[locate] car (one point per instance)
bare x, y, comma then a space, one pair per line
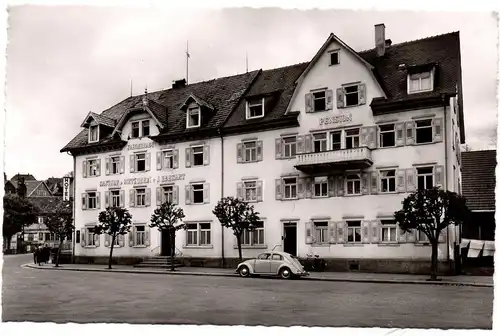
281, 264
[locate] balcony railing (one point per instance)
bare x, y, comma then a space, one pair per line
360, 156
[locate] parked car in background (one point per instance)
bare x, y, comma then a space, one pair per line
280, 264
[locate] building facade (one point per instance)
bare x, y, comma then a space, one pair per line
325, 150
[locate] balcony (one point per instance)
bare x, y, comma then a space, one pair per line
334, 161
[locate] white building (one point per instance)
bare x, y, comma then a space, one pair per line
326, 149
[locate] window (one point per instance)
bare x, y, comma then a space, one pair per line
255, 108
140, 129
290, 188
388, 181
197, 156
115, 165
387, 135
193, 119
92, 167
198, 234
140, 162
388, 231
91, 237
168, 159
320, 186
334, 57
250, 151
115, 198
145, 128
250, 190
319, 142
277, 257
94, 133
140, 235
336, 140
353, 184
422, 237
425, 177
319, 100
352, 138
40, 236
423, 129
40, 219
255, 237
168, 194
321, 232
353, 231
197, 193
91, 200
289, 146
31, 237
136, 129
140, 197
264, 256
351, 95
420, 82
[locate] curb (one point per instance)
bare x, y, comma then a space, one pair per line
409, 282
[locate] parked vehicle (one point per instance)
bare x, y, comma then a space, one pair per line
314, 263
280, 264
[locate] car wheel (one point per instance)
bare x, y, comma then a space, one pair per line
244, 272
285, 273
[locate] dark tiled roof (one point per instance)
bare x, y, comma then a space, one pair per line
103, 120
278, 84
478, 179
27, 177
31, 186
45, 205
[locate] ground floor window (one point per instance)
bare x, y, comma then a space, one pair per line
354, 231
321, 232
198, 234
140, 235
91, 237
255, 237
388, 231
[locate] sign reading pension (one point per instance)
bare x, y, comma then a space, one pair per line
338, 119
142, 180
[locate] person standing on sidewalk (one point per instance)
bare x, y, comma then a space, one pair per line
36, 253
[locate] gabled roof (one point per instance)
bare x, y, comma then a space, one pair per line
155, 110
46, 205
478, 179
32, 186
27, 177
99, 119
198, 101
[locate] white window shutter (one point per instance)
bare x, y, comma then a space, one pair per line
365, 231
148, 197
176, 159
146, 236
411, 236
122, 198
188, 157
300, 187
159, 160
341, 231
131, 235
300, 144
372, 137
83, 236
206, 154
206, 192
340, 185
362, 94
98, 200
411, 184
308, 143
159, 195
309, 102
374, 182
400, 180
442, 235
260, 149
84, 168
278, 191
309, 233
437, 129
278, 148
439, 176
400, 136
148, 161
188, 193
239, 190
332, 232
401, 234
331, 186
340, 98
132, 198
121, 240
364, 184
132, 163
410, 133
106, 198
259, 191
375, 231
107, 239
122, 164
108, 161
239, 152
308, 186
329, 100
84, 201
97, 240
98, 167
363, 137
175, 197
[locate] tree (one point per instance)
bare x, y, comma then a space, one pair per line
60, 223
114, 221
166, 217
237, 215
18, 212
430, 211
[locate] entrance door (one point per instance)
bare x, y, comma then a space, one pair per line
290, 238
165, 243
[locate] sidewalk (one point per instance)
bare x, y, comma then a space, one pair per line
459, 280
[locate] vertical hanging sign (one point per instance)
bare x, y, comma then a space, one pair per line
66, 184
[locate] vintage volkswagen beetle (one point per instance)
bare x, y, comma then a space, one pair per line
281, 264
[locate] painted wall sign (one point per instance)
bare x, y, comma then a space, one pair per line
141, 146
327, 121
66, 184
142, 180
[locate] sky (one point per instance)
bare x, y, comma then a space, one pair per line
63, 62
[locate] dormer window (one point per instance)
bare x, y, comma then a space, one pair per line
420, 82
140, 129
334, 57
255, 108
193, 117
145, 128
94, 133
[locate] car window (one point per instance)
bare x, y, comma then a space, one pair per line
263, 256
277, 257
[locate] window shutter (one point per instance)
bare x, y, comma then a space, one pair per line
401, 234
309, 233
340, 185
146, 236
188, 157
331, 186
122, 198
375, 231
442, 235
148, 161
98, 167
106, 199
332, 232
300, 187
188, 193
372, 137
400, 129
132, 163
365, 226
279, 192
340, 232
309, 102
239, 153
148, 197
239, 190
362, 94
278, 148
340, 98
131, 235
308, 143
98, 200
121, 240
437, 129
300, 144
84, 168
107, 160
97, 240
411, 237
206, 192
374, 182
329, 100
158, 160
122, 164
308, 186
410, 133
259, 191
107, 238
158, 196
175, 197
364, 184
411, 185
82, 240
84, 201
400, 180
438, 176
259, 150
132, 198
175, 159
363, 138
206, 155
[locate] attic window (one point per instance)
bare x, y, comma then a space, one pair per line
334, 57
140, 129
193, 117
420, 82
94, 133
255, 108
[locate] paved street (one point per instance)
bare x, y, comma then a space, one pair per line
64, 296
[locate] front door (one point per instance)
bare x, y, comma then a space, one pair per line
290, 238
165, 243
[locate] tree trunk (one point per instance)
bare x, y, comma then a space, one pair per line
113, 237
7, 243
171, 237
238, 240
58, 255
434, 259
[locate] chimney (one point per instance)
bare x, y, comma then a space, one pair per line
380, 39
179, 84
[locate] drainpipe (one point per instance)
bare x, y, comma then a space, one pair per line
443, 97
74, 210
222, 191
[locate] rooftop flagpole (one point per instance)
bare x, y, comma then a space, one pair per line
187, 61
